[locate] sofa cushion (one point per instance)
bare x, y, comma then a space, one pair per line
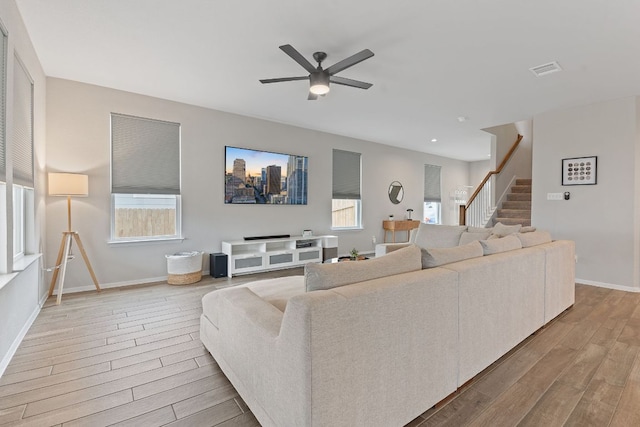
504, 244
469, 236
439, 236
328, 276
435, 257
501, 230
527, 229
275, 291
534, 238
472, 229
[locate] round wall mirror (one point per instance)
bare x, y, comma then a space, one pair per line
396, 192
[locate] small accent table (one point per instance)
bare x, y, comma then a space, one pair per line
394, 226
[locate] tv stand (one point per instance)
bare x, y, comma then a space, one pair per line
253, 256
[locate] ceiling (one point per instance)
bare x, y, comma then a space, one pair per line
435, 60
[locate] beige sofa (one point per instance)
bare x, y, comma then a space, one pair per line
378, 342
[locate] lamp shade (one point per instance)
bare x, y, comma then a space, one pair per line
68, 184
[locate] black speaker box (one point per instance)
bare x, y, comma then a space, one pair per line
218, 265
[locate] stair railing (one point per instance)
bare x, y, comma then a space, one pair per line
480, 206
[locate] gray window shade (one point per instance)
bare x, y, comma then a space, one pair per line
3, 80
346, 175
145, 156
432, 183
22, 125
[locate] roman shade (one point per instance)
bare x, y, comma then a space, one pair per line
22, 125
432, 183
145, 156
346, 175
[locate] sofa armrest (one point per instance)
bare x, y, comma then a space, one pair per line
263, 361
385, 248
252, 309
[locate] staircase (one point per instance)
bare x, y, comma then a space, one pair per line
517, 208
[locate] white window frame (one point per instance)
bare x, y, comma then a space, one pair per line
349, 192
153, 194
133, 239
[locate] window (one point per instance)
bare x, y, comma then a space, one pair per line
145, 179
22, 156
432, 197
346, 207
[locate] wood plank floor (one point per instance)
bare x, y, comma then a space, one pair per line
131, 356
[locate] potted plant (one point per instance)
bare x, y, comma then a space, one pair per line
354, 254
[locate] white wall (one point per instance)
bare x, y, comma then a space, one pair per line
602, 219
21, 292
78, 141
477, 171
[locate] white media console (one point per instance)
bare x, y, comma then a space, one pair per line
251, 256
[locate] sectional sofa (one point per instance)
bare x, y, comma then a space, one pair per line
378, 342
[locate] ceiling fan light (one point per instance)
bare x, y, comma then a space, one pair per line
319, 83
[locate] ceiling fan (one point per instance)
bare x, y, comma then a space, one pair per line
320, 78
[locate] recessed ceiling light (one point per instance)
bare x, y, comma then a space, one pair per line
462, 119
488, 155
434, 140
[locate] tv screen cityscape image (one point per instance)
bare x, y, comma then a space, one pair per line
263, 177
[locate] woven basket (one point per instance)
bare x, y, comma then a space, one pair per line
184, 268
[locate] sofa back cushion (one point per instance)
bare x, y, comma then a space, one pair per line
435, 257
439, 236
328, 276
534, 238
501, 230
503, 244
473, 236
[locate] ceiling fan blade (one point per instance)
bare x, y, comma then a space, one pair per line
297, 56
349, 82
312, 96
350, 61
284, 79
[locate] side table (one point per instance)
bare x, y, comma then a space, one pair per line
393, 226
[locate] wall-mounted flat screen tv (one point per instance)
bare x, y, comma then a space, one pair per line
264, 177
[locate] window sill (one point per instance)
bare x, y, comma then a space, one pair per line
144, 241
25, 261
19, 265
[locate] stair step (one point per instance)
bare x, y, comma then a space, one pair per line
519, 197
514, 213
517, 204
523, 181
521, 189
513, 221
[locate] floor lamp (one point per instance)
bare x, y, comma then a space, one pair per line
77, 185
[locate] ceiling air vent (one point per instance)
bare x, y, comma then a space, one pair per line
543, 70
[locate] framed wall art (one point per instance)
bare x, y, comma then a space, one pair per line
580, 171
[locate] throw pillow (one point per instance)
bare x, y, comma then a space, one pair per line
504, 244
439, 236
534, 238
435, 257
468, 237
527, 229
328, 276
502, 230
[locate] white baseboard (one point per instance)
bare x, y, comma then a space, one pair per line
16, 343
608, 285
116, 284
